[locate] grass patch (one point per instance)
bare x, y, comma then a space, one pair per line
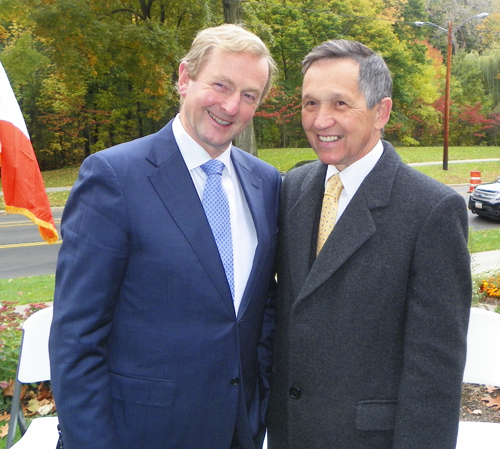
3, 441
434, 154
64, 177
285, 158
27, 290
460, 173
58, 199
484, 240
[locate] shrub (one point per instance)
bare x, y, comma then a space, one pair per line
490, 288
11, 320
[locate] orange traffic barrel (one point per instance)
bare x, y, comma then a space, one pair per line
475, 179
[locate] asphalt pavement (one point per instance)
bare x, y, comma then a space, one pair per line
480, 262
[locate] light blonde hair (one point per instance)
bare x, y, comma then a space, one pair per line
230, 38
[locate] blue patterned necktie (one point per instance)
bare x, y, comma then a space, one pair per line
216, 208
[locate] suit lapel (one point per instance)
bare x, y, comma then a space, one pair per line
173, 184
301, 222
355, 226
252, 188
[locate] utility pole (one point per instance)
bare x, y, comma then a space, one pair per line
446, 124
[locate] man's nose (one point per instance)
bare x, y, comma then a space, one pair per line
231, 104
325, 118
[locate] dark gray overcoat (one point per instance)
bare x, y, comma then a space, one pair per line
371, 336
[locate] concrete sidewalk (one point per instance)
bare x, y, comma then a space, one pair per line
485, 261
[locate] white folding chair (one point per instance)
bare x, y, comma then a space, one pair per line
33, 367
482, 367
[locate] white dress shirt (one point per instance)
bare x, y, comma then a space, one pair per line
354, 175
243, 231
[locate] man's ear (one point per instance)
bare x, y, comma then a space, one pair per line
184, 79
384, 108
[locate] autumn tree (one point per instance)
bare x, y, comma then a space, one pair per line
111, 67
293, 28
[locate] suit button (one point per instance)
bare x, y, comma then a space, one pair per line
235, 381
295, 393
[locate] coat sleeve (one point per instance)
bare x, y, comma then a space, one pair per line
91, 265
268, 326
438, 308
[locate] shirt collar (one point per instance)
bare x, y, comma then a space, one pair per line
192, 153
354, 175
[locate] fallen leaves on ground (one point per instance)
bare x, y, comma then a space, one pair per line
492, 399
36, 401
474, 408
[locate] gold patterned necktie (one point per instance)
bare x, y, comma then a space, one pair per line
329, 210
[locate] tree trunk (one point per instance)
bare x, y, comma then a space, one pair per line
233, 13
246, 140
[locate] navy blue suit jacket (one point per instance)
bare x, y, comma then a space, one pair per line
146, 350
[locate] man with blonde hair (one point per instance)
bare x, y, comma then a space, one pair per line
162, 320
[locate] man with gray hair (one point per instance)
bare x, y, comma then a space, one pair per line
374, 284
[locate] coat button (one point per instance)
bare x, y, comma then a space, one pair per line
295, 393
235, 381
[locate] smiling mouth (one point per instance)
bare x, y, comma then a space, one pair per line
218, 120
329, 138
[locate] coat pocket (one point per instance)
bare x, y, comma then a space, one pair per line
376, 415
142, 391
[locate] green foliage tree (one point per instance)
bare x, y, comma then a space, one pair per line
293, 28
109, 68
89, 74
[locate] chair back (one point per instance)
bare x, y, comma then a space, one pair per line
483, 348
34, 363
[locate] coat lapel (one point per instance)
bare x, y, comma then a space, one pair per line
173, 184
252, 188
355, 226
300, 222
353, 229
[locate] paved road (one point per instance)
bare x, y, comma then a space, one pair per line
24, 253
476, 222
22, 250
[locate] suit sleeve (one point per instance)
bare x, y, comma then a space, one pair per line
91, 265
438, 308
268, 327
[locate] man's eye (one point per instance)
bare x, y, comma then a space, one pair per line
249, 97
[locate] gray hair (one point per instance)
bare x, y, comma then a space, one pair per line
374, 81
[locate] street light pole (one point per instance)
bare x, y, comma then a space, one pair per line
446, 131
446, 124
